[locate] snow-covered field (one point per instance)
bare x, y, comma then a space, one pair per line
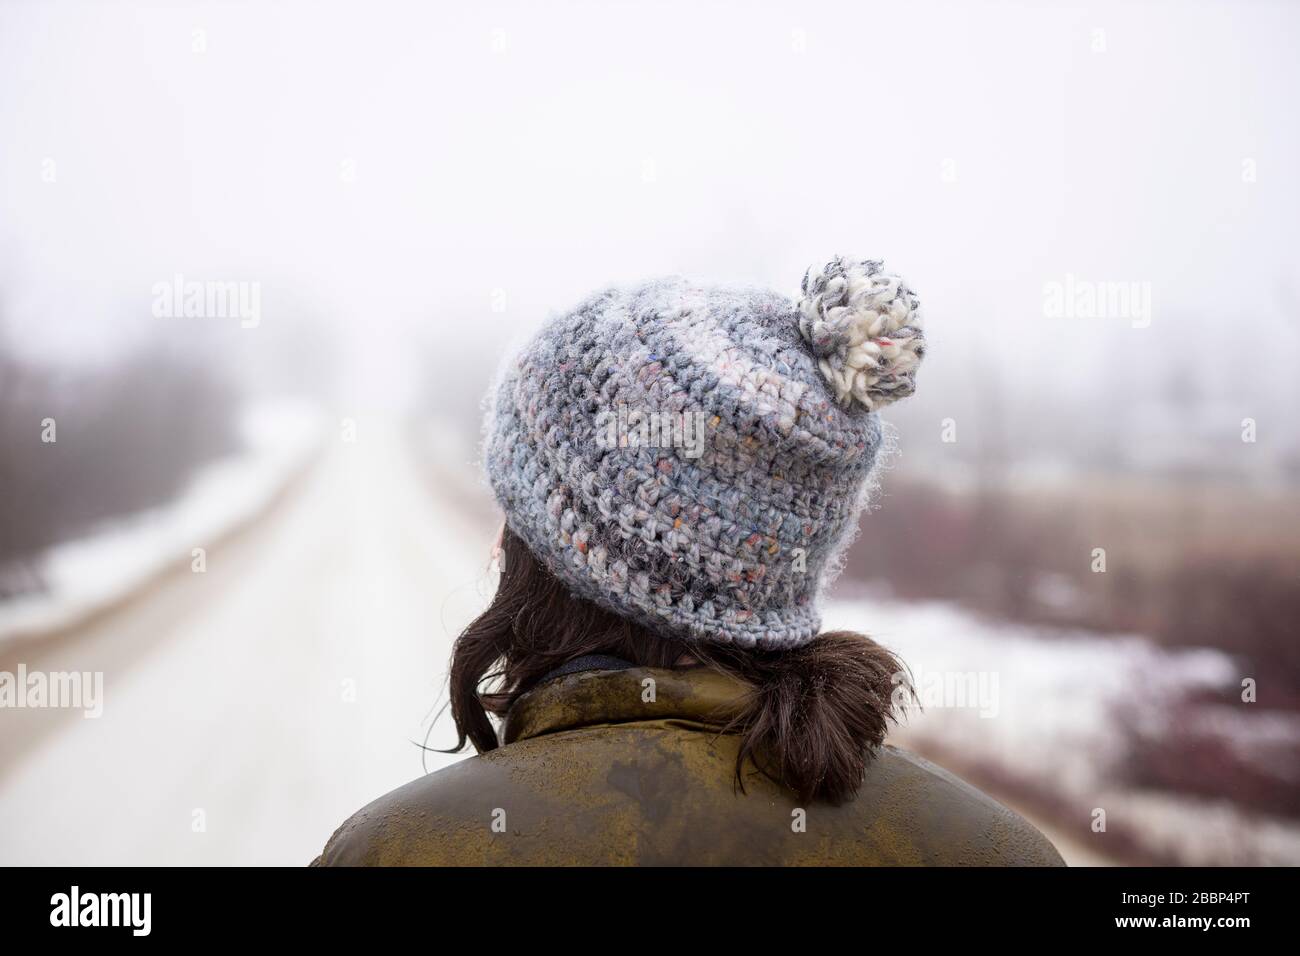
1048, 709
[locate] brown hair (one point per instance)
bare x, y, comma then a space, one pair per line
817, 714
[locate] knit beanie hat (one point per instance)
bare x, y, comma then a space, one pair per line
696, 458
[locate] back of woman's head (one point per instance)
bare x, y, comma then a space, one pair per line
813, 717
681, 468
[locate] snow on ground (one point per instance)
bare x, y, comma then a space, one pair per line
1045, 708
250, 709
89, 574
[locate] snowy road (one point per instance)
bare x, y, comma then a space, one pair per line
248, 710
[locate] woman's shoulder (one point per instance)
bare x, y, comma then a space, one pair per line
668, 797
433, 820
944, 821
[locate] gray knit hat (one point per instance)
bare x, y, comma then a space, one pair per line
696, 458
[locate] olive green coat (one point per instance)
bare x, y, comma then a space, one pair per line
628, 767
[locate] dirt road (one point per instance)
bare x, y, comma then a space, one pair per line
249, 709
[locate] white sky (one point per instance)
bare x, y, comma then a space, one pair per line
508, 146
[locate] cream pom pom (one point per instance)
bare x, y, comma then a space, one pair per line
864, 326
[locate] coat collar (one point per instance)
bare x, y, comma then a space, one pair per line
697, 695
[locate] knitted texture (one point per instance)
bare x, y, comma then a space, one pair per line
864, 326
696, 458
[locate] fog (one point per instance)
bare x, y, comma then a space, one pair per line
1097, 205
432, 174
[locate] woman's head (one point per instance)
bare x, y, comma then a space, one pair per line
696, 458
680, 468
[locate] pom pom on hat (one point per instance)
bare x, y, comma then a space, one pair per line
864, 327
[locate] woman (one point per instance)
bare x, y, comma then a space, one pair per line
653, 650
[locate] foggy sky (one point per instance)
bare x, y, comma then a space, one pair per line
390, 171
